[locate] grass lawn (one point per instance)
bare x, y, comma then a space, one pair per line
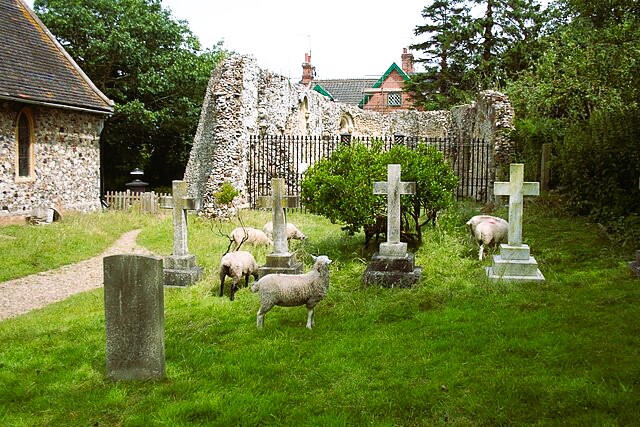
455, 350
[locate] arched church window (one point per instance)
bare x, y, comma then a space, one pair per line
24, 145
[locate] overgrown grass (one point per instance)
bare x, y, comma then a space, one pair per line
455, 350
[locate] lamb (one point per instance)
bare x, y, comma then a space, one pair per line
292, 231
235, 265
249, 235
488, 231
290, 290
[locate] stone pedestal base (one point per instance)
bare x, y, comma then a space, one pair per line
392, 271
634, 266
181, 270
280, 263
514, 264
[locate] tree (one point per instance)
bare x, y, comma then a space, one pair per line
341, 187
152, 67
479, 45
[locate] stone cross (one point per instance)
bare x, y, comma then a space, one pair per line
180, 204
516, 188
134, 317
393, 188
278, 201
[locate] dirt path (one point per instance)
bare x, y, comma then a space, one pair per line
22, 295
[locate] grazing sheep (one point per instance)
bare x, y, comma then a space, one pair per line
289, 290
488, 231
292, 231
250, 236
235, 265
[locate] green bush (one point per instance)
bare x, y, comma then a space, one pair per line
341, 187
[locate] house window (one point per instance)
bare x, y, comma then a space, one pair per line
394, 99
24, 139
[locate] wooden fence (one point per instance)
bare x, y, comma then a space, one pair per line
148, 202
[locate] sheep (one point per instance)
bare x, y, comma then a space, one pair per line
290, 290
249, 235
292, 231
235, 265
488, 231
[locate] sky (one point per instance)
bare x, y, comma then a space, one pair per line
346, 38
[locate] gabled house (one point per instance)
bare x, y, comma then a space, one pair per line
384, 94
51, 117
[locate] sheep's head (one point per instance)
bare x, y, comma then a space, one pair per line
320, 261
299, 235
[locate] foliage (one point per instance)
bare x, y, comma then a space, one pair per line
454, 350
465, 52
226, 194
151, 66
341, 187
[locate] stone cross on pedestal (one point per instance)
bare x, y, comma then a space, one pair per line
180, 267
393, 188
516, 188
515, 262
280, 260
392, 266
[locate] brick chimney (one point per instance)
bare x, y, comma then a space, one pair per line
307, 70
407, 61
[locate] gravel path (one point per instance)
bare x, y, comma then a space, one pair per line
22, 295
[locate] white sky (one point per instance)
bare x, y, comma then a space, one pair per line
347, 38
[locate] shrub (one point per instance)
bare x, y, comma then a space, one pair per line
341, 187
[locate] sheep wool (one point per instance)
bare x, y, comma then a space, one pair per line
235, 265
488, 231
249, 235
289, 290
292, 231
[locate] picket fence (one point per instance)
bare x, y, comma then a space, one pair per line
148, 202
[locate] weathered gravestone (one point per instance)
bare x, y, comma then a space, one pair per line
134, 317
280, 260
392, 266
514, 262
180, 268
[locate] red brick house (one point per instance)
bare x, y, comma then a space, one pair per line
383, 95
51, 117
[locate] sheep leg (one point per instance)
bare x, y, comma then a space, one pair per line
310, 317
246, 280
234, 288
481, 252
261, 312
223, 274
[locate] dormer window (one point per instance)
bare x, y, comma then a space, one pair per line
394, 99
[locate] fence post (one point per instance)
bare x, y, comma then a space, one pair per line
345, 138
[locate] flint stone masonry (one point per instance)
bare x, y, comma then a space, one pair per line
66, 159
243, 100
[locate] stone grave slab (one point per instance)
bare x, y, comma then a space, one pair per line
134, 317
180, 268
634, 266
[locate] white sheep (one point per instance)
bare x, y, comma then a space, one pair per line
235, 265
488, 231
292, 231
249, 235
290, 290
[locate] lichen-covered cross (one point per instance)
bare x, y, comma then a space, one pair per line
180, 204
516, 188
278, 201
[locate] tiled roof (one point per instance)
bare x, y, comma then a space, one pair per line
349, 91
35, 68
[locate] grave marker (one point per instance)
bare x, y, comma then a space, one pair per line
134, 317
180, 267
280, 260
392, 266
514, 262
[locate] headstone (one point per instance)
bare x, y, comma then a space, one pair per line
134, 317
280, 260
180, 268
392, 266
514, 262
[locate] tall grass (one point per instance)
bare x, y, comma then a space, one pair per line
455, 350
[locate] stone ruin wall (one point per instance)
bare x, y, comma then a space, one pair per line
66, 162
243, 100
